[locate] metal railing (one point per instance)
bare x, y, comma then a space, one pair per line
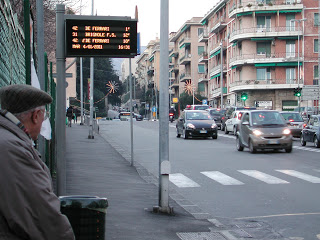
267, 56
265, 29
263, 82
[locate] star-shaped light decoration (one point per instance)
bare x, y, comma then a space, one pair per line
188, 88
112, 86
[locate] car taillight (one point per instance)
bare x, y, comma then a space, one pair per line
239, 116
170, 114
304, 125
222, 118
290, 120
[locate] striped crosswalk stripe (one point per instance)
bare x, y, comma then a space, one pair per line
222, 178
263, 177
182, 181
301, 175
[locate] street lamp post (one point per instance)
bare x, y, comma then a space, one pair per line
299, 22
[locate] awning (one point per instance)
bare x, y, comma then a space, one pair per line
261, 39
282, 64
214, 76
244, 14
234, 44
204, 22
290, 11
151, 59
211, 56
217, 52
288, 38
265, 65
233, 67
263, 12
184, 28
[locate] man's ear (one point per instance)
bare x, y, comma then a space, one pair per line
35, 116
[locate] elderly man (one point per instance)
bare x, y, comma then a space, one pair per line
28, 207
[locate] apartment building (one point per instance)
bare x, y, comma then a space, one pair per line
267, 48
184, 52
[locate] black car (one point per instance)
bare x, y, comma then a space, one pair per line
196, 123
138, 117
217, 114
229, 112
311, 133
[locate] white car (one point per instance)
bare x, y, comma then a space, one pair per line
231, 124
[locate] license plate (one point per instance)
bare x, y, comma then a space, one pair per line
273, 141
203, 131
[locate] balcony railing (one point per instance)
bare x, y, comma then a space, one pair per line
218, 23
265, 57
185, 76
203, 37
272, 81
266, 31
217, 69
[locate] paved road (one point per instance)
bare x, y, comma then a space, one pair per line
270, 188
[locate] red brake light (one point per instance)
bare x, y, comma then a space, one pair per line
239, 116
222, 118
218, 109
291, 120
304, 125
170, 114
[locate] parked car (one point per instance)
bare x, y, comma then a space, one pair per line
196, 123
306, 112
263, 129
229, 112
311, 133
138, 117
216, 114
197, 107
294, 122
231, 125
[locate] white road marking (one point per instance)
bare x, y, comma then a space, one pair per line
182, 181
263, 177
222, 178
301, 175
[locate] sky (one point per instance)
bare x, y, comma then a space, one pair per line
149, 13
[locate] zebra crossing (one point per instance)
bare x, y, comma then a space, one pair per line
182, 181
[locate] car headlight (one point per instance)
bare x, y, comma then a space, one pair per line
213, 125
257, 132
286, 131
190, 125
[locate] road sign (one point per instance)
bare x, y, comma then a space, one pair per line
205, 102
310, 93
154, 109
175, 100
100, 36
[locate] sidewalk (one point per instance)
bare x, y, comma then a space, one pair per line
95, 168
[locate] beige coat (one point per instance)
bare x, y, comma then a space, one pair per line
28, 207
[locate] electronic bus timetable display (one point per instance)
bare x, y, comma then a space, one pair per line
101, 38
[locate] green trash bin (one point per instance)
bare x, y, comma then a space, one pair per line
86, 215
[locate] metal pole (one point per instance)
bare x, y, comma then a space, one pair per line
318, 110
27, 41
60, 102
164, 164
299, 66
221, 75
91, 90
131, 113
81, 92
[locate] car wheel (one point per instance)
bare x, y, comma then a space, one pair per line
214, 136
251, 147
185, 134
178, 134
316, 142
302, 141
222, 127
225, 130
234, 131
288, 150
239, 144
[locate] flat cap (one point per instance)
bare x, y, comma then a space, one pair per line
20, 97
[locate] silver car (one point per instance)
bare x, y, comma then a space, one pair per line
263, 129
295, 122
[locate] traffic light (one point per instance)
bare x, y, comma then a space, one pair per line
244, 96
297, 92
238, 98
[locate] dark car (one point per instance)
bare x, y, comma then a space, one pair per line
295, 122
311, 133
263, 129
138, 117
217, 114
196, 123
227, 115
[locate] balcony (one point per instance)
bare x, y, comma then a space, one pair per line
184, 77
186, 59
255, 84
203, 57
265, 32
216, 92
203, 77
173, 53
219, 24
269, 59
217, 70
174, 68
175, 84
150, 71
204, 37
248, 6
184, 42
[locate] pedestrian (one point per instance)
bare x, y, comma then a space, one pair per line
74, 118
29, 209
70, 115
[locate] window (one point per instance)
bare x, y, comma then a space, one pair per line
201, 68
201, 87
263, 23
315, 45
290, 48
200, 31
240, 24
263, 74
264, 48
290, 75
315, 74
200, 50
289, 23
316, 19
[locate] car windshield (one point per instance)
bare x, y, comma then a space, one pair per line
267, 119
292, 117
201, 107
198, 116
